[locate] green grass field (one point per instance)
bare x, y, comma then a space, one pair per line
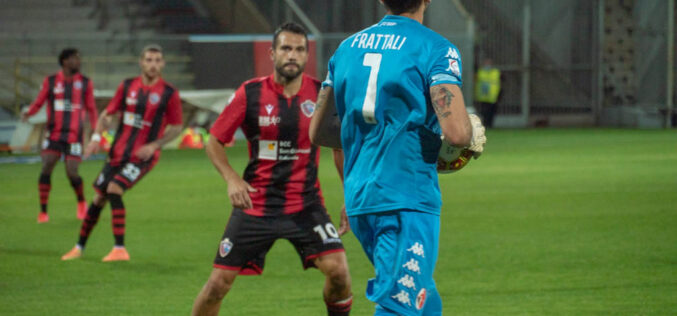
547, 222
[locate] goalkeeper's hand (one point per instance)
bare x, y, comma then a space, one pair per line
478, 138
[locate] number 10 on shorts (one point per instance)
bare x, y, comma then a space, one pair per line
327, 232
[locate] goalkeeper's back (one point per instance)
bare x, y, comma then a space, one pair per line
390, 134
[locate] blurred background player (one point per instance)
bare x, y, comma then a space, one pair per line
69, 95
279, 194
396, 87
488, 90
150, 111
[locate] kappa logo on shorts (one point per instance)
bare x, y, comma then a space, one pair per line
420, 298
225, 247
402, 297
417, 249
412, 265
308, 108
408, 282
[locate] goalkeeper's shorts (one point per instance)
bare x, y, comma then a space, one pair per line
402, 245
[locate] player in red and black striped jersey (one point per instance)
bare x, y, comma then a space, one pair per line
279, 194
69, 96
150, 111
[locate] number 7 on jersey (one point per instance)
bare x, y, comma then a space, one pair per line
373, 61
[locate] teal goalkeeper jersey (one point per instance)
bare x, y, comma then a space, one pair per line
389, 131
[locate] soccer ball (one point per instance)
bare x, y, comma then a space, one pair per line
452, 158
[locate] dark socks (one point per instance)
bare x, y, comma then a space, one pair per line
76, 183
88, 224
118, 218
340, 308
44, 186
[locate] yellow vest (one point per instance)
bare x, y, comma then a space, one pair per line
488, 85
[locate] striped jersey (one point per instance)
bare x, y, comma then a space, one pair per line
68, 99
282, 160
146, 110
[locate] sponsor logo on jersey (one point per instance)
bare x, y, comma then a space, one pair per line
420, 299
131, 99
154, 98
77, 85
268, 120
308, 108
453, 68
134, 120
387, 24
452, 53
269, 108
453, 57
58, 88
268, 149
287, 151
65, 106
225, 247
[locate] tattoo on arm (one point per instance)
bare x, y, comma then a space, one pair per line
441, 100
327, 126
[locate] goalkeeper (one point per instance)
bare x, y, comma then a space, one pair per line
391, 90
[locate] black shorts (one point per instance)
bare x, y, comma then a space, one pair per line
248, 238
72, 151
126, 175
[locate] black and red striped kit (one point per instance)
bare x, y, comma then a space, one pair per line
282, 168
68, 99
282, 160
146, 110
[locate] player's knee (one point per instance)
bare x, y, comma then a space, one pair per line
99, 200
217, 287
114, 188
337, 273
72, 174
48, 167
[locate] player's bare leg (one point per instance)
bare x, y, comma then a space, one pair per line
337, 293
49, 160
208, 302
114, 194
76, 182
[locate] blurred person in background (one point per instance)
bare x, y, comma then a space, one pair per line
488, 91
150, 110
69, 96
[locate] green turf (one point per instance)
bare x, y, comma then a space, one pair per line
547, 222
